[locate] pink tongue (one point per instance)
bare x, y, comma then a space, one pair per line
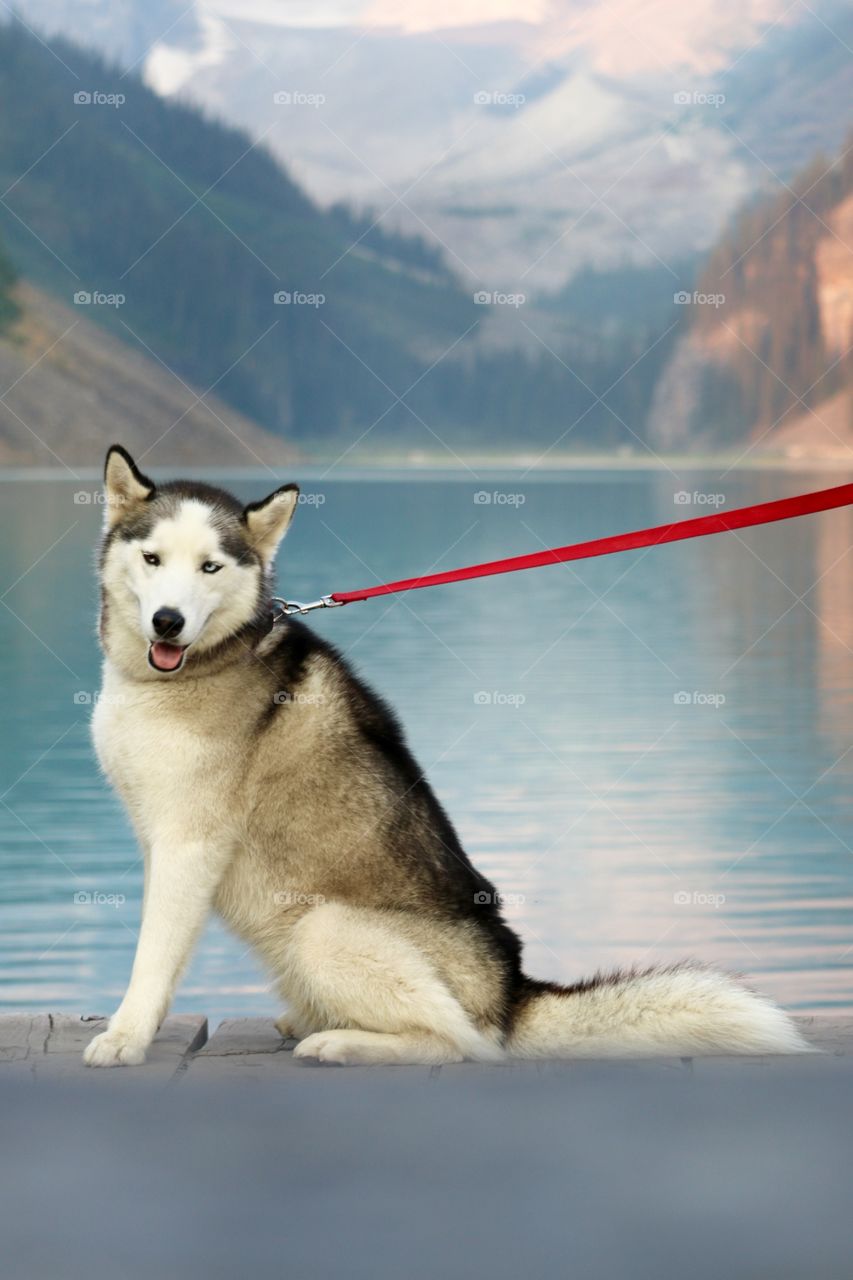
166, 656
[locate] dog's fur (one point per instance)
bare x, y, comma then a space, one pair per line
266, 782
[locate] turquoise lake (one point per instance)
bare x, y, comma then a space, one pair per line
650, 754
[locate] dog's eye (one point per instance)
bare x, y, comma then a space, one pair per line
210, 566
150, 558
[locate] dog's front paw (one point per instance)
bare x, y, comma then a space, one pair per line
114, 1049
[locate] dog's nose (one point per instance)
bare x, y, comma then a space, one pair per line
168, 623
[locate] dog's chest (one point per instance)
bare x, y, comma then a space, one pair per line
165, 754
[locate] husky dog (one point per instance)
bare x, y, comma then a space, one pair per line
265, 781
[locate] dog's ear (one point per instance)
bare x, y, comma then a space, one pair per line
124, 484
267, 521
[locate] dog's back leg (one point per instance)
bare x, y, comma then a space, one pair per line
375, 993
289, 1027
348, 1048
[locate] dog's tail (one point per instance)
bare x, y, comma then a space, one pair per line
685, 1010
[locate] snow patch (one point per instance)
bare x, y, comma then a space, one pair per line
169, 68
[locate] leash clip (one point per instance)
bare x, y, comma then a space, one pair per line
290, 607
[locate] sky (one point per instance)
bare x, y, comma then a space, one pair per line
414, 15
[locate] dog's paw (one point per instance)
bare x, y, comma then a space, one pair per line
286, 1027
340, 1049
114, 1049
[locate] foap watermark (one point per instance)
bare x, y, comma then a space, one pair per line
494, 298
288, 899
311, 499
697, 898
497, 98
684, 498
95, 98
294, 298
95, 498
88, 698
298, 98
85, 298
498, 698
285, 697
696, 698
684, 298
94, 898
498, 498
483, 898
698, 98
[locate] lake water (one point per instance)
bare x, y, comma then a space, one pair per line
649, 754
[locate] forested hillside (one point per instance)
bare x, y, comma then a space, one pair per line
198, 230
69, 389
8, 305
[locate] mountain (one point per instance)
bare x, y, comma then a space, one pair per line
197, 248
766, 359
71, 390
347, 333
225, 269
124, 31
569, 134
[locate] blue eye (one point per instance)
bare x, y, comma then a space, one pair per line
150, 558
210, 566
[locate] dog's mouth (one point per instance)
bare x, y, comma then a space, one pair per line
163, 656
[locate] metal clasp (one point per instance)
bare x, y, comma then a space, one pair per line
289, 607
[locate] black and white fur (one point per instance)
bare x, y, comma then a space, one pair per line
266, 782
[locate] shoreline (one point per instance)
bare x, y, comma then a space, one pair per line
472, 466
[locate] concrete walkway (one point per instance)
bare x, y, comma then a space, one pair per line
47, 1046
660, 1170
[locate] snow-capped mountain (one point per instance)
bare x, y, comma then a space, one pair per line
529, 139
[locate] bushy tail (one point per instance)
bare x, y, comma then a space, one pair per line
682, 1011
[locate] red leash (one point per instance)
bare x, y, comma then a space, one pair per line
803, 504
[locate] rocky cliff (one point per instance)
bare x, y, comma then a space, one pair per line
764, 360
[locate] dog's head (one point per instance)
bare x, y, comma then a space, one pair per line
186, 567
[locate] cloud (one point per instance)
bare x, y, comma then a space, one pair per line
292, 13
433, 15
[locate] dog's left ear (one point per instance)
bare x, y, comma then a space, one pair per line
124, 484
267, 521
